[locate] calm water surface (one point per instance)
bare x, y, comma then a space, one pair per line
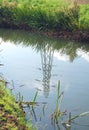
34, 63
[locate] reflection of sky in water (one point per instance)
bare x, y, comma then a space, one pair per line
75, 71
28, 69
23, 66
60, 56
83, 54
27, 64
64, 57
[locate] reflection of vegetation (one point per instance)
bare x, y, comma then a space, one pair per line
37, 41
70, 49
46, 46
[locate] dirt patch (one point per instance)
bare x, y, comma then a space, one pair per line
81, 1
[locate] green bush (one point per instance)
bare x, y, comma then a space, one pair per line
84, 17
43, 15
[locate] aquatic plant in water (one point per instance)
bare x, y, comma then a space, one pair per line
57, 112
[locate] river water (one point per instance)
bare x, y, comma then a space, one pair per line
34, 64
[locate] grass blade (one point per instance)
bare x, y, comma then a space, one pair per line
34, 100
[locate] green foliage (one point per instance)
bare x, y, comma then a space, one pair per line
43, 14
84, 17
6, 16
11, 115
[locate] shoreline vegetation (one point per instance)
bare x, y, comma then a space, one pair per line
12, 117
62, 19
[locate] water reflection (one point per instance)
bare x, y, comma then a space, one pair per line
46, 61
48, 49
37, 42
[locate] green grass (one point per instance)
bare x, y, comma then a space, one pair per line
84, 17
44, 15
11, 115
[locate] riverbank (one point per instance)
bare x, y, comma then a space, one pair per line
11, 115
62, 19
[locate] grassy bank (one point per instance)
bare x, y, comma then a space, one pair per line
44, 15
11, 115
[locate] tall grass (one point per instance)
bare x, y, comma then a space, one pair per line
43, 14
